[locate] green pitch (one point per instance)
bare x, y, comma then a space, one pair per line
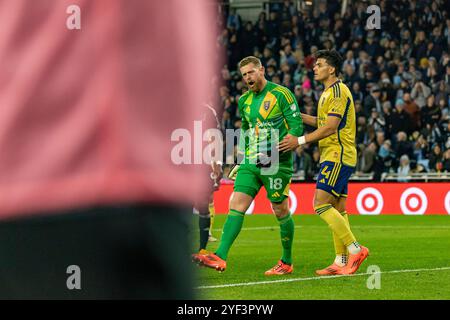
412, 253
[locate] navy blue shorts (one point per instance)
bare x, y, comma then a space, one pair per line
333, 178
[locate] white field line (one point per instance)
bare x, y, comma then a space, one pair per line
315, 278
351, 226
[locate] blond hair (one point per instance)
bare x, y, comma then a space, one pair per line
248, 60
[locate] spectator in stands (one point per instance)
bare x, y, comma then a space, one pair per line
403, 169
447, 74
446, 133
387, 90
287, 56
350, 77
446, 163
400, 120
445, 110
362, 134
273, 30
420, 92
403, 146
298, 94
431, 113
358, 95
387, 156
234, 20
349, 60
369, 158
248, 40
358, 109
380, 138
376, 121
421, 151
372, 101
436, 159
413, 110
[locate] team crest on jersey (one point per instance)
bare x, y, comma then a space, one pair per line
266, 105
293, 107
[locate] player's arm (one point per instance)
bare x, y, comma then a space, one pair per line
309, 120
330, 127
337, 108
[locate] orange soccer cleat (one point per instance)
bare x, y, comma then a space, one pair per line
213, 261
355, 260
280, 269
196, 257
331, 270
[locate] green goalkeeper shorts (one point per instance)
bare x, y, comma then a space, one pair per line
249, 180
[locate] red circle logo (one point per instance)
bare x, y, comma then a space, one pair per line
369, 202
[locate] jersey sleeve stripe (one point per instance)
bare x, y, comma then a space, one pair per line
285, 93
344, 117
334, 115
336, 90
288, 94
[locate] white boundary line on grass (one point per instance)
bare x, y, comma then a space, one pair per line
314, 278
352, 226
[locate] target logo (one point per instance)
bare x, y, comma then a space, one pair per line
413, 201
447, 202
369, 201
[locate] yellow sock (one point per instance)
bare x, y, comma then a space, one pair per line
212, 213
336, 222
339, 246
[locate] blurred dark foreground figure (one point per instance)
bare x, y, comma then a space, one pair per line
86, 117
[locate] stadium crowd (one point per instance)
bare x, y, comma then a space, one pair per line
399, 75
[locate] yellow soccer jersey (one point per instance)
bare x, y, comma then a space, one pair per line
337, 101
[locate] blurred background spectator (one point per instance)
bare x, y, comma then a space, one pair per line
403, 169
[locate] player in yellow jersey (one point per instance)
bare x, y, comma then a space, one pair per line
336, 130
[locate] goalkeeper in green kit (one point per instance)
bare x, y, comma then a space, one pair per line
269, 112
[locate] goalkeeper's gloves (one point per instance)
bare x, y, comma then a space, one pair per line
233, 172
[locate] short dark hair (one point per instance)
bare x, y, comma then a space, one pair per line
332, 57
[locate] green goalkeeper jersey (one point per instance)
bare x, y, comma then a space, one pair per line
267, 117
